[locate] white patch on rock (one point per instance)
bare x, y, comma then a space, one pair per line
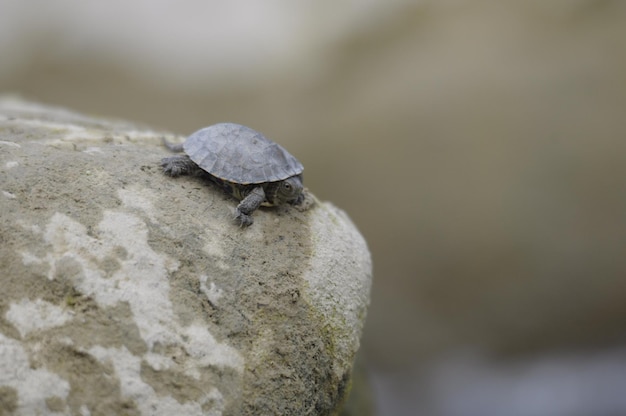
128, 370
216, 400
138, 198
11, 164
68, 134
206, 351
158, 362
33, 385
28, 316
72, 130
28, 259
141, 281
8, 195
213, 248
33, 228
347, 276
93, 149
213, 293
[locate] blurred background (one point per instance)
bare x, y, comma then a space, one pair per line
479, 146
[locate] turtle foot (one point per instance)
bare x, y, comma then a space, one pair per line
244, 220
175, 165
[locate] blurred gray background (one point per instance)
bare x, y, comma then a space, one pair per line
478, 145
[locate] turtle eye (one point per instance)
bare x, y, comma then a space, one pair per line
287, 186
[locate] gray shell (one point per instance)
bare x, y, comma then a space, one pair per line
239, 154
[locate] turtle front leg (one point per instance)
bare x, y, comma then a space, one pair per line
248, 205
179, 165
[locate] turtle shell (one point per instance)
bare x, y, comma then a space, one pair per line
238, 154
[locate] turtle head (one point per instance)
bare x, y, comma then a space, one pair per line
289, 190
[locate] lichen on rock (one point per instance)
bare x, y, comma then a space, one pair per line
125, 291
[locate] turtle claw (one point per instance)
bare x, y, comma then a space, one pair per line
244, 220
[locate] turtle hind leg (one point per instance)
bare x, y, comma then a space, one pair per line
179, 165
243, 212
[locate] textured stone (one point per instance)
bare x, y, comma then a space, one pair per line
128, 292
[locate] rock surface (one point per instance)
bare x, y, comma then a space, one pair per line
128, 292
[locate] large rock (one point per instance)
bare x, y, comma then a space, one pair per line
128, 292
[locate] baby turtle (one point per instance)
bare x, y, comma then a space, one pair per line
243, 162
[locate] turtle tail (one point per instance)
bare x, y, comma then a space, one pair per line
174, 147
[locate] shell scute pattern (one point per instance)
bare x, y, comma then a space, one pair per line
240, 155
